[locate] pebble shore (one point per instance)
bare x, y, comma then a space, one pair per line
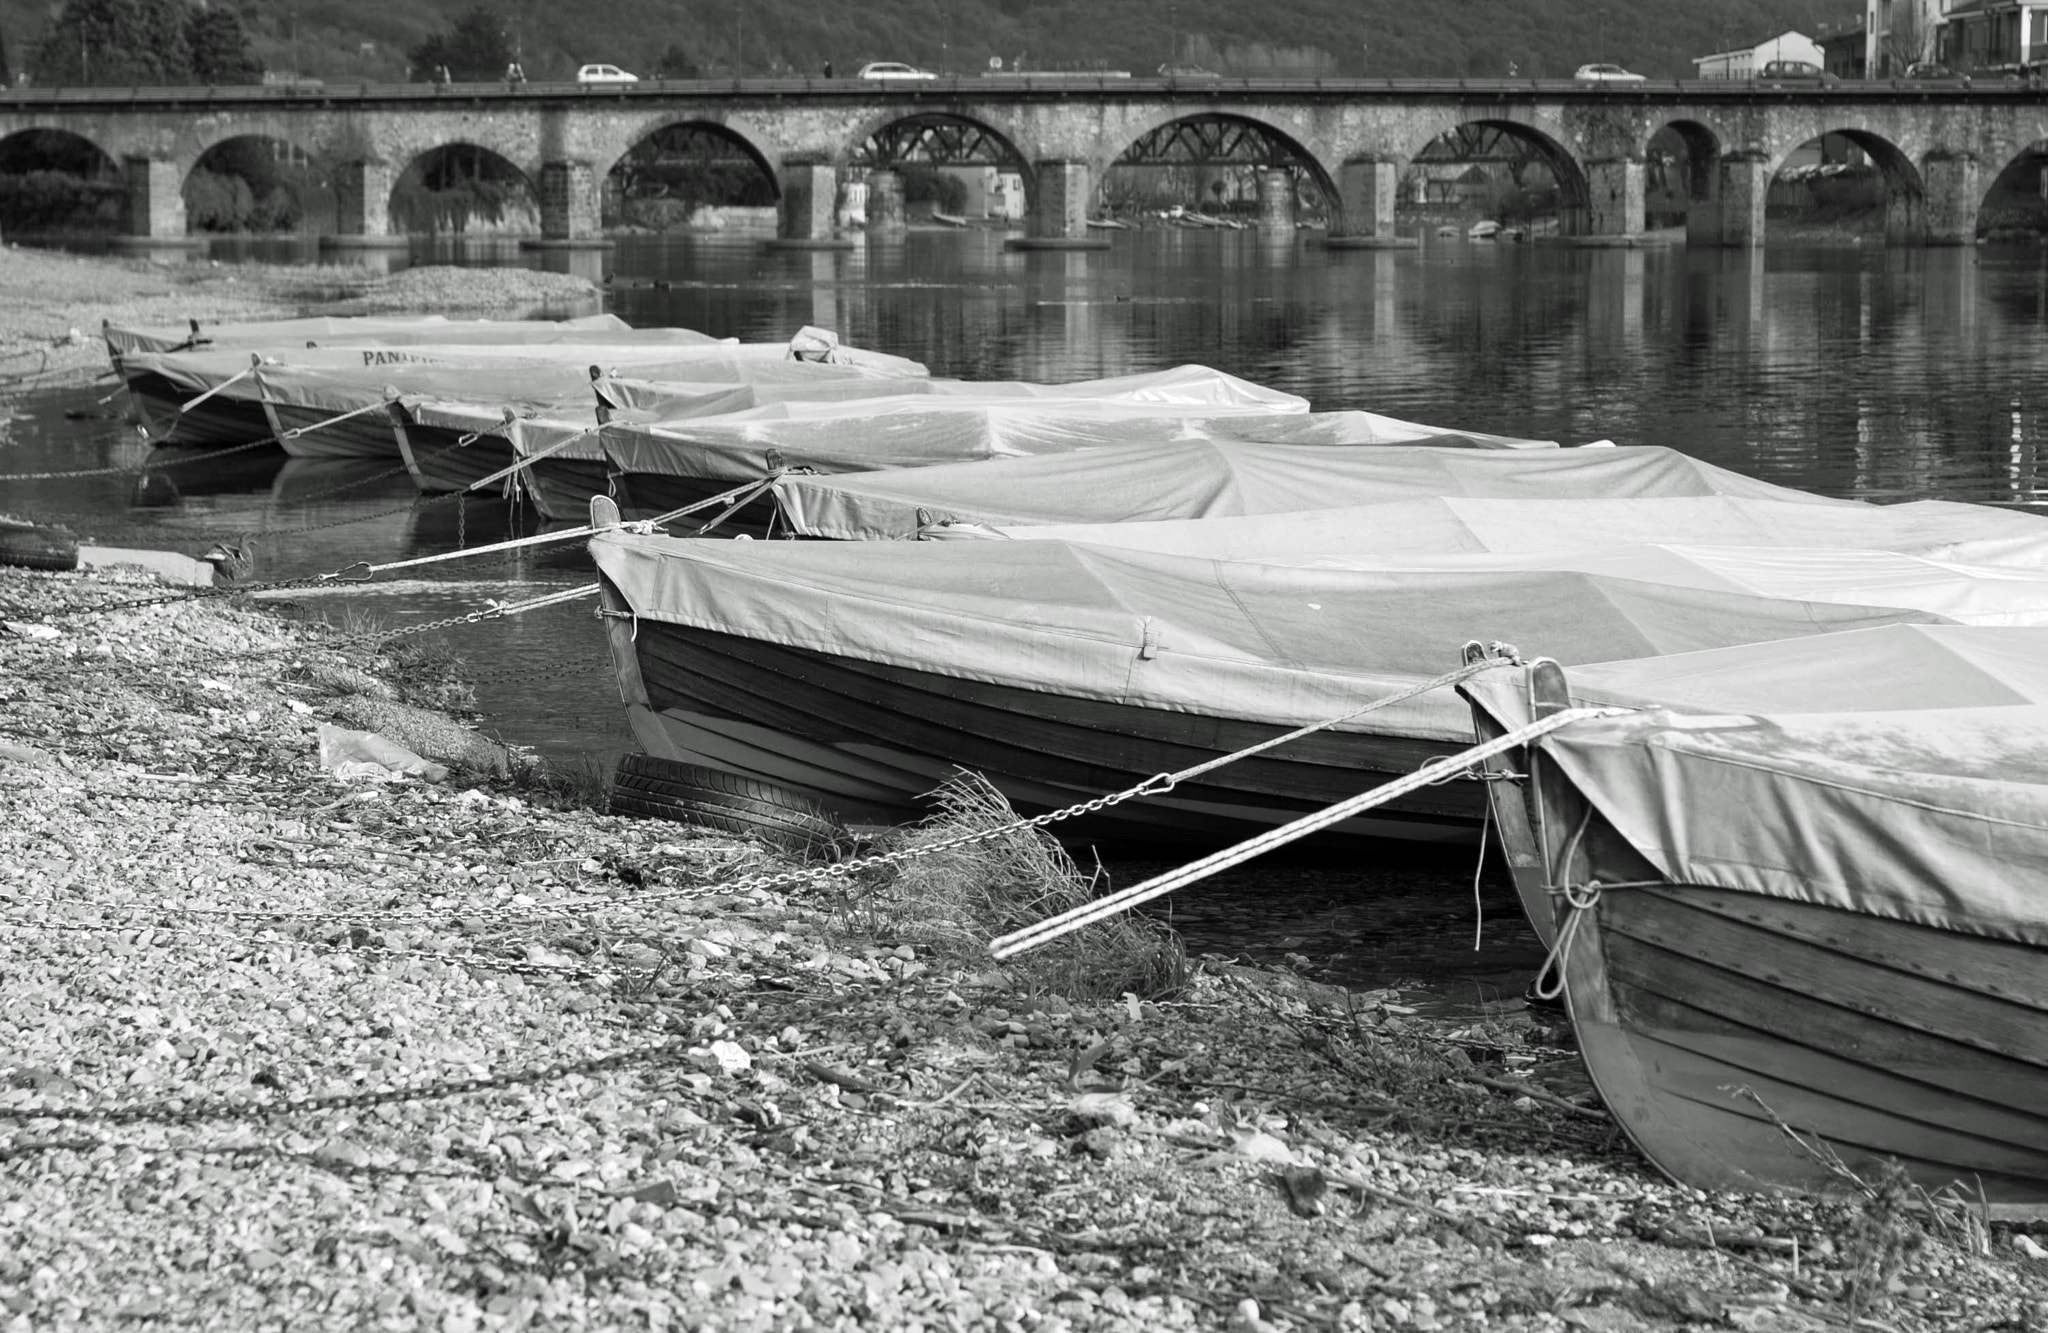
279, 1051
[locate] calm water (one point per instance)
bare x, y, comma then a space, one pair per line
1850, 370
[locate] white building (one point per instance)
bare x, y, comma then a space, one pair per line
1746, 62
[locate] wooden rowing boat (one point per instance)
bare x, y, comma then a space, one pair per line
1802, 945
861, 674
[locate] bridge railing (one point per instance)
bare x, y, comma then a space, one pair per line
1009, 85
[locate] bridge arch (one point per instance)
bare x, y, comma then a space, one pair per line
1902, 185
1227, 139
63, 182
922, 147
1682, 171
1518, 147
461, 187
632, 134
680, 165
256, 182
2012, 194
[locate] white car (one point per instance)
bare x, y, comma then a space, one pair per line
891, 69
605, 74
1605, 74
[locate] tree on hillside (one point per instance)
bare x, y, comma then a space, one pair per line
675, 63
220, 49
102, 42
474, 49
6, 66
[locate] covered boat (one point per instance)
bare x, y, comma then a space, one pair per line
1822, 923
450, 441
660, 465
1218, 478
863, 674
1458, 525
233, 397
387, 330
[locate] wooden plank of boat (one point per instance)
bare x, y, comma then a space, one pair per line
1668, 1070
562, 488
912, 727
220, 421
948, 219
366, 436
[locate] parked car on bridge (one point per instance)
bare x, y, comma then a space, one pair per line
605, 74
1796, 71
893, 69
1173, 71
1928, 69
1605, 74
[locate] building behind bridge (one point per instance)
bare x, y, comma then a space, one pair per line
1746, 62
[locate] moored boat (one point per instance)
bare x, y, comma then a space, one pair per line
1821, 923
861, 674
660, 466
1219, 477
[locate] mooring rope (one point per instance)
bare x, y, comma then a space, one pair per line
1044, 932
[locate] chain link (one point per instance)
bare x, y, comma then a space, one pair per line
246, 1109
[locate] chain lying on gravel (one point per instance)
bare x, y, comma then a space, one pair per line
518, 967
179, 1111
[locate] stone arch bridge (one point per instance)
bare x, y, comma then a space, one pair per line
1938, 146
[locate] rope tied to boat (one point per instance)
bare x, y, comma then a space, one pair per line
296, 431
362, 570
199, 398
1581, 899
1044, 932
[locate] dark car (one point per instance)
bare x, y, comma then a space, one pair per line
1928, 69
1796, 71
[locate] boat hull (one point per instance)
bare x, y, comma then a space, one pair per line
221, 421
1714, 1021
443, 460
562, 488
1706, 1017
870, 740
366, 436
644, 495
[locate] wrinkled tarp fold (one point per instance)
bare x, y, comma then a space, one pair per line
1254, 642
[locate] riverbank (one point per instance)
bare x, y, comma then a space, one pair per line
279, 1050
52, 303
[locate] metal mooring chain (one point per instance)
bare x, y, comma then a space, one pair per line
221, 1108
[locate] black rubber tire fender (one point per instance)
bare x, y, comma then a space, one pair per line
31, 546
652, 788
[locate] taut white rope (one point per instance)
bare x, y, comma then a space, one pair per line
1052, 928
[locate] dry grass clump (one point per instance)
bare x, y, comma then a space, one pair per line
956, 900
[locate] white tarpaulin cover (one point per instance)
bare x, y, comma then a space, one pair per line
390, 329
1892, 667
1246, 641
1218, 478
941, 424
1454, 524
1935, 816
1174, 390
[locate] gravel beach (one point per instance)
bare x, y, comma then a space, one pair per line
278, 1050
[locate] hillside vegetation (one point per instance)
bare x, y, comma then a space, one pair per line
368, 39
